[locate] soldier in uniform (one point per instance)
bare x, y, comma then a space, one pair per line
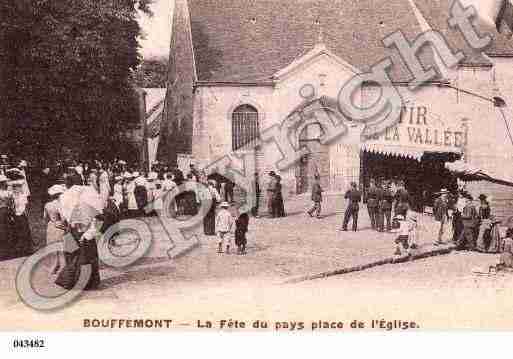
354, 198
372, 204
385, 208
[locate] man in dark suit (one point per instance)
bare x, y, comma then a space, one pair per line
354, 198
316, 198
372, 204
385, 208
257, 196
469, 217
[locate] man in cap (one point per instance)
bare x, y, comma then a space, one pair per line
271, 194
441, 212
386, 198
372, 204
354, 197
316, 197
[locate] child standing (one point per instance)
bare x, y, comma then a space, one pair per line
241, 228
404, 234
224, 225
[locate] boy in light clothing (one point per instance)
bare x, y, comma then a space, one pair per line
405, 231
224, 225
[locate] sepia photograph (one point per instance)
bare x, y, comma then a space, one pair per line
244, 166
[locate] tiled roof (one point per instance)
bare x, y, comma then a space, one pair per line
250, 40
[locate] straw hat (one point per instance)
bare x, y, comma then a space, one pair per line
118, 178
225, 205
127, 175
136, 174
140, 181
56, 189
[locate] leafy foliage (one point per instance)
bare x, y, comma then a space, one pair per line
66, 69
152, 73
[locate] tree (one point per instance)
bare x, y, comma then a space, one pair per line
152, 73
66, 73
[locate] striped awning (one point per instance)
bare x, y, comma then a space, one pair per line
392, 150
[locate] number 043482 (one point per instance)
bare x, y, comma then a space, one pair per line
28, 343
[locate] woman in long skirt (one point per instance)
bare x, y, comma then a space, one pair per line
104, 185
209, 222
280, 206
6, 210
22, 236
56, 227
81, 218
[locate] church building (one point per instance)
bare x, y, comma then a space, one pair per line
240, 67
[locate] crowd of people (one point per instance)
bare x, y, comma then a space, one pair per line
116, 191
15, 234
391, 208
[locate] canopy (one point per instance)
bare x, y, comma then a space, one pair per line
469, 173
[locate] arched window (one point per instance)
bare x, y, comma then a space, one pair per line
244, 126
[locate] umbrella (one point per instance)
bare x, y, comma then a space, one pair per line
80, 204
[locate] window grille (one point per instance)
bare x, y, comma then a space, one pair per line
245, 126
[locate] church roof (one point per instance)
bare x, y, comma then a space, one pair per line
250, 40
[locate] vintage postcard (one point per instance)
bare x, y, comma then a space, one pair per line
256, 166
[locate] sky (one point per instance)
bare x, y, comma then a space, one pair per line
157, 29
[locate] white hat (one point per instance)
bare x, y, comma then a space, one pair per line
23, 163
153, 175
56, 189
121, 162
118, 178
140, 181
3, 178
399, 217
136, 174
225, 205
443, 190
127, 175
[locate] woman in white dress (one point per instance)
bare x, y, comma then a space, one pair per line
131, 201
56, 227
104, 185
